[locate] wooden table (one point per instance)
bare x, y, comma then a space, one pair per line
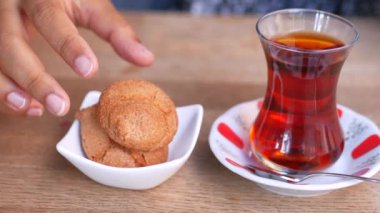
215, 61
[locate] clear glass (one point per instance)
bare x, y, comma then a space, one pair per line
298, 127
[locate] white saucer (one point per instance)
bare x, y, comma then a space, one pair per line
180, 149
229, 141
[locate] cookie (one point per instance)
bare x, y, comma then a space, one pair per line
100, 148
137, 115
95, 141
118, 156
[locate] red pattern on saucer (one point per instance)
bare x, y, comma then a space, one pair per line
234, 163
366, 146
361, 172
260, 103
230, 135
340, 112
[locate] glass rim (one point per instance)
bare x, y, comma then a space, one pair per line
297, 10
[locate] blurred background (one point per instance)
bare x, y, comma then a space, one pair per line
239, 7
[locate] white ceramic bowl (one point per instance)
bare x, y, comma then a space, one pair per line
229, 141
190, 119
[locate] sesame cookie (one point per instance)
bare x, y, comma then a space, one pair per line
100, 148
137, 115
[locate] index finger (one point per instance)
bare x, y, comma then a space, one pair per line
51, 20
108, 23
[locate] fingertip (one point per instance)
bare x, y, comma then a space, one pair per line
143, 56
17, 101
67, 104
34, 112
36, 109
57, 105
134, 52
85, 66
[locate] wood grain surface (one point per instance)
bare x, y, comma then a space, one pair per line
215, 61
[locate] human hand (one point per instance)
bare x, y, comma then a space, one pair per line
25, 86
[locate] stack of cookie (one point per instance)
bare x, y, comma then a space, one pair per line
131, 126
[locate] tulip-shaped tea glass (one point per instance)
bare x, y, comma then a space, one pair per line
298, 127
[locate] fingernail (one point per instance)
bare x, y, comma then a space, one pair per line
83, 65
34, 112
143, 50
16, 100
55, 104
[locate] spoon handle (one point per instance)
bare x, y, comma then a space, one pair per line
299, 177
340, 175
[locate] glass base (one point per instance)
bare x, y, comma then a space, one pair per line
271, 165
